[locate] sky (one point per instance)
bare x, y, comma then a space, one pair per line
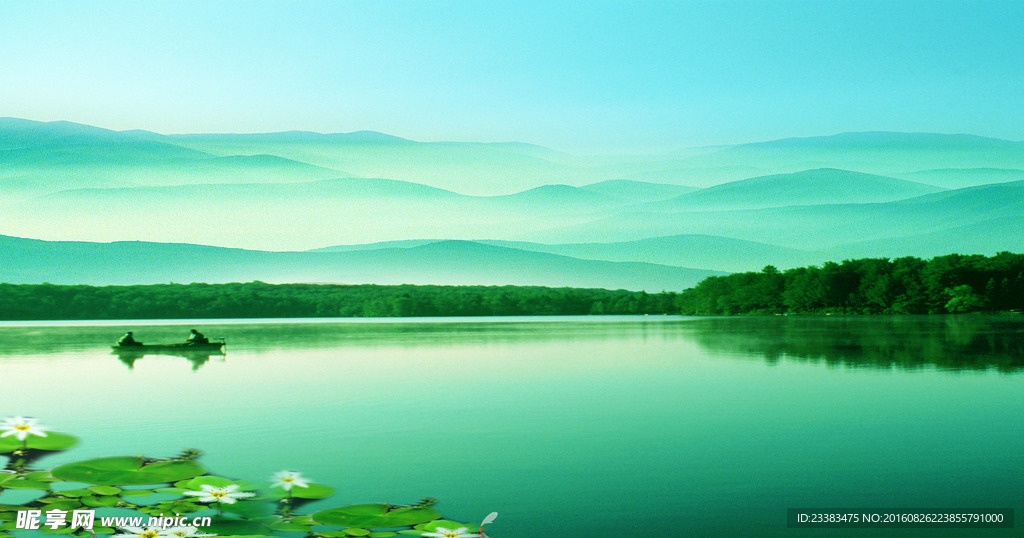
582, 76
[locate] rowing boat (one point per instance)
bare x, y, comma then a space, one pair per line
212, 347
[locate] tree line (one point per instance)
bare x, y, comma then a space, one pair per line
908, 285
944, 284
262, 300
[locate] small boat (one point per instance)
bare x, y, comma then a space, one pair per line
212, 347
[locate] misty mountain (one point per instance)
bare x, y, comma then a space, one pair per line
809, 187
444, 262
883, 153
27, 144
688, 250
812, 227
637, 191
986, 237
956, 178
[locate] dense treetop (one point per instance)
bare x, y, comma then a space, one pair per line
261, 300
909, 285
944, 284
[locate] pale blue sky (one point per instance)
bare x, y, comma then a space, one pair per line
580, 76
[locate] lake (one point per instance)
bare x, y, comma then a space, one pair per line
567, 427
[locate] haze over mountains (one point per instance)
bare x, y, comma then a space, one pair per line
378, 208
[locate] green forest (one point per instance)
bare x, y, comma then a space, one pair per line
909, 285
261, 300
944, 284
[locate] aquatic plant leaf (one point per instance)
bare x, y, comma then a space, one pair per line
58, 530
105, 500
52, 441
250, 509
432, 526
74, 492
383, 533
356, 531
234, 527
26, 484
196, 484
174, 490
375, 515
136, 492
313, 491
105, 490
288, 526
126, 471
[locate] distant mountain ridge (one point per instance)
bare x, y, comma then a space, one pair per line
809, 187
785, 202
443, 262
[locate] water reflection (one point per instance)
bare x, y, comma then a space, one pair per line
908, 343
950, 343
197, 358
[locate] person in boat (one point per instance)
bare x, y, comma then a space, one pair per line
128, 340
197, 338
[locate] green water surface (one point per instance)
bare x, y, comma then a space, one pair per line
568, 427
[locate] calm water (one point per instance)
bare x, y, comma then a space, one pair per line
573, 427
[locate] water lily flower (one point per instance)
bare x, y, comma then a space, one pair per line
21, 428
185, 532
139, 532
288, 479
449, 533
227, 494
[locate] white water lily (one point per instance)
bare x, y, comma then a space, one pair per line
227, 494
139, 532
185, 532
21, 428
288, 479
449, 533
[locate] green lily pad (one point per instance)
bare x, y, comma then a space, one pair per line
126, 471
26, 484
74, 492
433, 525
105, 490
313, 491
136, 492
375, 515
225, 526
52, 441
96, 501
249, 509
288, 526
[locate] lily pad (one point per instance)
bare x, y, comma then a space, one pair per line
312, 491
126, 471
52, 441
105, 490
97, 501
375, 515
433, 525
26, 484
226, 526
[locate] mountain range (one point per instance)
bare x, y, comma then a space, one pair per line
370, 207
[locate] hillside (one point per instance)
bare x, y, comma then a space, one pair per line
810, 187
445, 262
